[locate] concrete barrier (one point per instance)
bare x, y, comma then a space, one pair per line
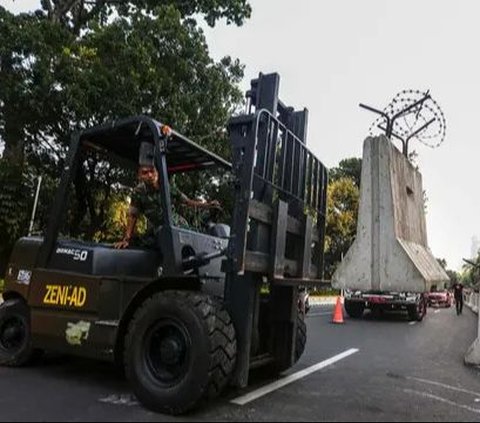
390, 252
472, 301
472, 357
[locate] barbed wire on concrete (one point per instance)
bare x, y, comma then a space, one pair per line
411, 115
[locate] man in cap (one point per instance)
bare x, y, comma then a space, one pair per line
145, 200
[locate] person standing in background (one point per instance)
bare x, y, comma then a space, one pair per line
458, 295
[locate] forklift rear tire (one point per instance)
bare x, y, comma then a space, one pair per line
354, 309
15, 335
180, 350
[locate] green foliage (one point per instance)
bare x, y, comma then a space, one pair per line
13, 212
470, 275
30, 98
348, 168
342, 211
76, 64
325, 292
452, 274
79, 14
342, 214
207, 186
2, 285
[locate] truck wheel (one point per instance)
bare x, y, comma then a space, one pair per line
418, 311
15, 336
180, 349
354, 309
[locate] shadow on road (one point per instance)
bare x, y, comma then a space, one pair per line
387, 316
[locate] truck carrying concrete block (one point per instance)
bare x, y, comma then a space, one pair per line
390, 253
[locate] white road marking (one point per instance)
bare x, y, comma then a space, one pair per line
440, 399
413, 323
443, 385
252, 396
437, 311
127, 400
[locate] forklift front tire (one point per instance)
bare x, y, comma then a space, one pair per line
180, 349
300, 343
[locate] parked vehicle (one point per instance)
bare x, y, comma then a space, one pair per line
414, 304
440, 299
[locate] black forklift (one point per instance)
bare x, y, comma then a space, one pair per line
199, 312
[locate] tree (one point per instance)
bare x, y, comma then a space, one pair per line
452, 274
12, 221
74, 64
470, 275
342, 211
342, 215
348, 168
77, 14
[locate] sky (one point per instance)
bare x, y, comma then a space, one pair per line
334, 54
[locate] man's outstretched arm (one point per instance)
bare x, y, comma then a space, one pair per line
129, 231
200, 204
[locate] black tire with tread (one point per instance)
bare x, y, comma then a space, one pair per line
300, 343
301, 339
354, 309
212, 355
25, 354
417, 312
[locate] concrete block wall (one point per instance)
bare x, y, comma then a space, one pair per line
472, 300
472, 357
390, 252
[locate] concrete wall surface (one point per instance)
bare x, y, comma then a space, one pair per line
391, 251
472, 357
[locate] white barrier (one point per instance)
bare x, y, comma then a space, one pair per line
472, 358
472, 301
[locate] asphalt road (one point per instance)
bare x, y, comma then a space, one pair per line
401, 372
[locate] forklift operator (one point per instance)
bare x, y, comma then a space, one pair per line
145, 200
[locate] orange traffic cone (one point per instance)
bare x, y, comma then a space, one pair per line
338, 312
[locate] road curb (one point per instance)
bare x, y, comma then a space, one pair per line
322, 300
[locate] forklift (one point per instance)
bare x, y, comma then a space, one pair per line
201, 310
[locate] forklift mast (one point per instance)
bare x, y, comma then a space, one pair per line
278, 229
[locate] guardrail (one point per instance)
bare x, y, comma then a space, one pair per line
472, 300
